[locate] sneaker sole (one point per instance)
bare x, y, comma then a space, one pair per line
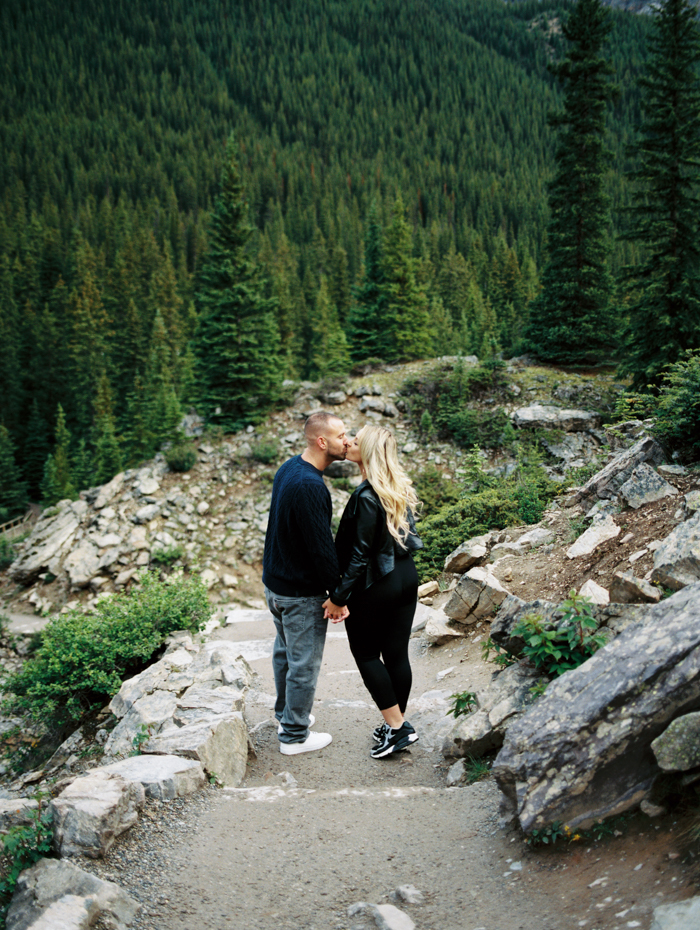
296, 749
397, 747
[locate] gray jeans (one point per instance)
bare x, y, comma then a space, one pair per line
296, 659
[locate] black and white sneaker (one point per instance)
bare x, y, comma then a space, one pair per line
395, 741
378, 732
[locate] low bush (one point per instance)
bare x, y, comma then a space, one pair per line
83, 658
167, 555
266, 451
7, 553
678, 410
434, 490
463, 702
181, 457
20, 848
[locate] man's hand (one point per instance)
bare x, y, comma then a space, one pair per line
334, 613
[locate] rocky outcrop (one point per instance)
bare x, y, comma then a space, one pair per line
677, 559
540, 416
51, 540
601, 531
607, 482
683, 915
583, 751
57, 895
628, 589
162, 777
483, 730
477, 596
644, 486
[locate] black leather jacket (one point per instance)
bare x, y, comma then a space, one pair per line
366, 549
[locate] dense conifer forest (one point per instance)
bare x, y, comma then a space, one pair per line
384, 150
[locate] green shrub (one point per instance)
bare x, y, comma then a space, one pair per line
463, 702
433, 489
83, 658
265, 451
168, 555
181, 457
678, 407
7, 553
555, 650
21, 847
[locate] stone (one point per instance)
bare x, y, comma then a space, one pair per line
539, 536
57, 895
51, 539
388, 917
692, 502
147, 513
334, 398
376, 404
437, 629
230, 581
109, 491
147, 486
209, 578
107, 541
594, 592
220, 743
607, 482
93, 811
572, 447
123, 578
652, 810
17, 812
678, 747
409, 894
626, 589
342, 470
149, 713
593, 537
677, 560
137, 539
644, 486
82, 564
683, 915
508, 696
162, 777
581, 752
478, 595
422, 615
428, 589
202, 507
540, 416
455, 775
391, 410
469, 553
201, 701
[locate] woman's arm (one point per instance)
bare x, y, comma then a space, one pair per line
365, 525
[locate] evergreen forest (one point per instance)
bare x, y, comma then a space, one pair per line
379, 159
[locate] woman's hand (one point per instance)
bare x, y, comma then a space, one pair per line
334, 613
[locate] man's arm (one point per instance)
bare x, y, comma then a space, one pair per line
314, 514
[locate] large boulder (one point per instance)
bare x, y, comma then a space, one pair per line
162, 777
682, 915
109, 491
56, 895
645, 486
583, 751
626, 588
49, 542
540, 416
677, 560
607, 482
93, 811
483, 730
477, 596
220, 743
596, 534
438, 630
82, 564
469, 553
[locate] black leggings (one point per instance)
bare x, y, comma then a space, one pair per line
379, 627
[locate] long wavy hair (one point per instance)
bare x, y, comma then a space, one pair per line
392, 485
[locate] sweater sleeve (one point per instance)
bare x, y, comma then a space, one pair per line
362, 542
314, 515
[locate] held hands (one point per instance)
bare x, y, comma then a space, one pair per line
334, 613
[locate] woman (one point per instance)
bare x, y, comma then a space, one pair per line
379, 581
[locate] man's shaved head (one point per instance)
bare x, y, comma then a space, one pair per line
320, 424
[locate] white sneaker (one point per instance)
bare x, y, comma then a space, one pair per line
312, 721
312, 742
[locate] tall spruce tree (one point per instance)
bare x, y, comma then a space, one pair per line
571, 320
13, 491
237, 339
367, 327
58, 476
664, 310
329, 347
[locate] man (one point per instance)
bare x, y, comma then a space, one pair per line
300, 567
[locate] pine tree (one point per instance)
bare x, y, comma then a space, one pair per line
571, 320
664, 310
36, 449
13, 490
367, 325
237, 339
10, 350
406, 303
108, 455
58, 476
329, 347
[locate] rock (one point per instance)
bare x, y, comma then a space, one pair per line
427, 589
692, 502
677, 560
334, 398
438, 630
230, 581
109, 491
82, 564
678, 747
209, 578
162, 777
408, 894
539, 536
200, 702
372, 403
342, 470
149, 713
138, 539
388, 917
455, 775
478, 595
202, 508
391, 410
147, 486
539, 416
483, 730
51, 539
123, 578
57, 895
683, 915
581, 753
644, 486
93, 811
572, 447
147, 513
219, 743
593, 537
607, 482
18, 812
594, 592
626, 589
652, 810
469, 553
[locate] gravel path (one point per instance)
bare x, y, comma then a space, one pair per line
351, 829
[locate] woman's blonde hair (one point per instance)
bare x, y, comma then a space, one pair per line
391, 483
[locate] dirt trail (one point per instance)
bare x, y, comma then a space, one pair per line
354, 829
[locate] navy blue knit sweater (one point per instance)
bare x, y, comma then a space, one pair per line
300, 558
